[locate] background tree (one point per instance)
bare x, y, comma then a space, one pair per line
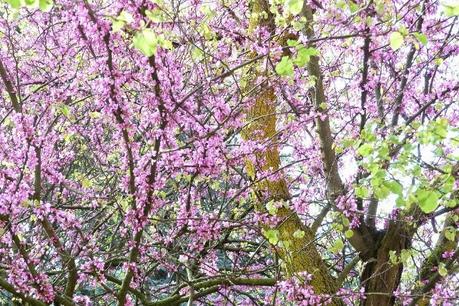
228, 152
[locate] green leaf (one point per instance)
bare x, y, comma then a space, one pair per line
427, 200
65, 110
14, 3
394, 187
405, 255
337, 246
119, 22
298, 25
381, 192
166, 44
294, 6
349, 233
298, 234
348, 142
285, 67
442, 270
353, 6
155, 15
197, 54
421, 37
400, 201
272, 236
450, 233
271, 207
383, 151
361, 192
304, 55
162, 194
45, 5
117, 25
396, 40
403, 30
206, 31
292, 42
365, 149
440, 128
146, 41
338, 226
451, 8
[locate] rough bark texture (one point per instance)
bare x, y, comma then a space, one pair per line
381, 277
301, 254
298, 254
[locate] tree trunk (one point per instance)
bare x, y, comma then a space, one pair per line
381, 277
298, 254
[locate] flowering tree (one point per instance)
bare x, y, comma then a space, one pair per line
229, 152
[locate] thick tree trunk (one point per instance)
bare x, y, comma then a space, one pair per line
298, 254
381, 277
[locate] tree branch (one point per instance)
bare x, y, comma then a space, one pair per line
9, 88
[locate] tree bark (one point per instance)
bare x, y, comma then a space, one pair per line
298, 254
381, 277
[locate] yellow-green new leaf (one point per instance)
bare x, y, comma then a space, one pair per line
146, 42
421, 37
285, 67
294, 6
45, 5
396, 40
442, 270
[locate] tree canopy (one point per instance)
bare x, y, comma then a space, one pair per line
229, 152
